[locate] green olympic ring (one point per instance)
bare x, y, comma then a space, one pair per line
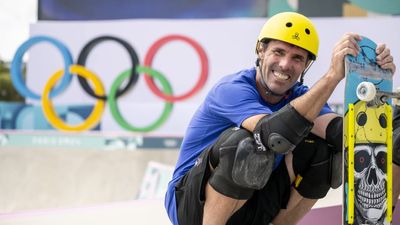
167, 89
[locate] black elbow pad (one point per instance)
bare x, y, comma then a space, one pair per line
282, 130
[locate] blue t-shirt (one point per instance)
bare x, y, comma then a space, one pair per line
232, 100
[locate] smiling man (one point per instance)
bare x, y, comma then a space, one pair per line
263, 147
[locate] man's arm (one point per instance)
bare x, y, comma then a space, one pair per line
310, 104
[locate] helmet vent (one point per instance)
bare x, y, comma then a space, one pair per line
289, 24
307, 31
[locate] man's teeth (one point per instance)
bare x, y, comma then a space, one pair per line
281, 76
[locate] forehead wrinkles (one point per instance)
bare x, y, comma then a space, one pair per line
274, 45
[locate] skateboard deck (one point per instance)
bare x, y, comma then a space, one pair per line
367, 140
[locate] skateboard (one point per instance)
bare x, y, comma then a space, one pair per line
367, 139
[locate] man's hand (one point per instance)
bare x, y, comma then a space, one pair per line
384, 59
346, 46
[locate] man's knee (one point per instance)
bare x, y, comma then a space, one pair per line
396, 136
239, 168
317, 167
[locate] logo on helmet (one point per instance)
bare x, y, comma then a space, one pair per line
296, 36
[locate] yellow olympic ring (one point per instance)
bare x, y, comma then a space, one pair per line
98, 109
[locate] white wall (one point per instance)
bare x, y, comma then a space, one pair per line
229, 45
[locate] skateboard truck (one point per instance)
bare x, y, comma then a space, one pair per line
366, 91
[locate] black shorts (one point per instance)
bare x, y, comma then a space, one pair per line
260, 209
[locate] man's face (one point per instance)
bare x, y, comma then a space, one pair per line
282, 64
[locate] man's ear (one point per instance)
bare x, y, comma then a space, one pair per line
260, 50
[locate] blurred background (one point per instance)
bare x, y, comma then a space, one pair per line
63, 169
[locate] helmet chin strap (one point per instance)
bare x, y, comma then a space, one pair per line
304, 72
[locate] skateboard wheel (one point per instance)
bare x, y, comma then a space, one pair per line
366, 91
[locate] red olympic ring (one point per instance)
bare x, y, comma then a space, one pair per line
148, 60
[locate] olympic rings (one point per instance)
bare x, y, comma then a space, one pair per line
203, 73
16, 64
51, 89
93, 118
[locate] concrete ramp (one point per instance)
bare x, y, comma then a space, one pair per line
32, 179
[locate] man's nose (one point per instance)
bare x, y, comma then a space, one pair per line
284, 63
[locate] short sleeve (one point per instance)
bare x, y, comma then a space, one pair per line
236, 102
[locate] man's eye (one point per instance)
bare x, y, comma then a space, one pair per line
299, 59
278, 52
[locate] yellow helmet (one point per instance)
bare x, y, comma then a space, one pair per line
292, 28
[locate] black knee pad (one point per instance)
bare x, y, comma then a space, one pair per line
239, 167
312, 164
225, 149
252, 168
336, 172
396, 135
396, 146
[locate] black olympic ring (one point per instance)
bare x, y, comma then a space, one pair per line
133, 78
